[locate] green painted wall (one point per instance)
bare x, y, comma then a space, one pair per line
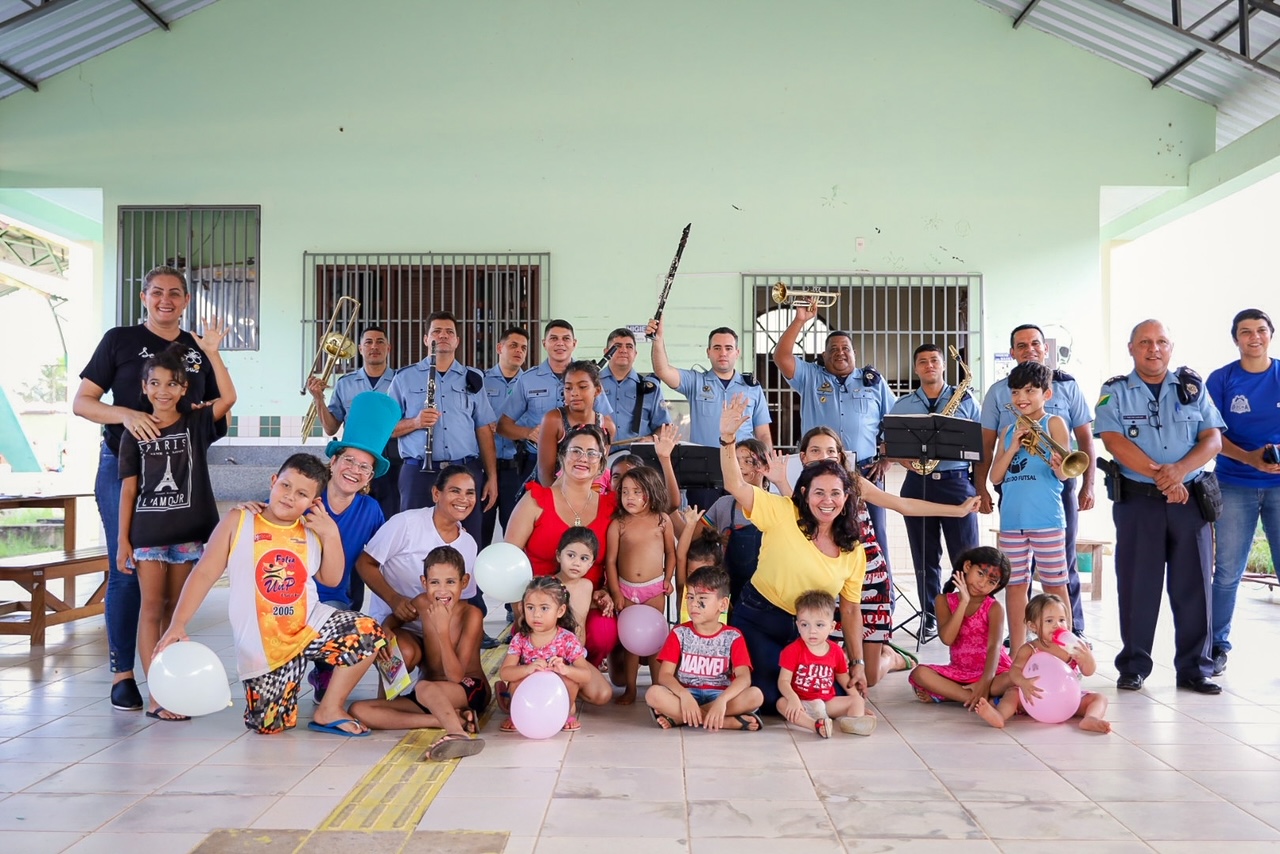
784, 131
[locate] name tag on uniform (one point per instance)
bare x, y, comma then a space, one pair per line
1139, 419
539, 392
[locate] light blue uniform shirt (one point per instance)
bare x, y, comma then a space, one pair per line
462, 412
917, 403
849, 407
538, 391
1067, 403
1166, 432
356, 382
622, 395
498, 388
1032, 492
707, 396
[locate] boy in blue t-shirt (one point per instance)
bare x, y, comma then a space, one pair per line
1032, 520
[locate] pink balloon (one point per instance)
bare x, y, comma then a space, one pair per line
540, 705
642, 629
1059, 689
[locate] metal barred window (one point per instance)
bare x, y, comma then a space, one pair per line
889, 315
487, 292
217, 247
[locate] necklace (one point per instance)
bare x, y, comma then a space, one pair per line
577, 514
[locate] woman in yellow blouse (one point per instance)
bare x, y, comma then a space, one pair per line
810, 542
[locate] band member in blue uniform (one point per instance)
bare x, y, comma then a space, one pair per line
638, 407
499, 385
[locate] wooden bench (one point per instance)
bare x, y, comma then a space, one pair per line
1095, 549
34, 572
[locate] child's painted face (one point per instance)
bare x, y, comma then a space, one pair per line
292, 494
541, 612
752, 473
1052, 618
981, 579
163, 389
575, 559
1029, 400
814, 627
443, 584
705, 605
632, 497
820, 447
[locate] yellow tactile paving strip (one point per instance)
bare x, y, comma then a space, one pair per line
396, 792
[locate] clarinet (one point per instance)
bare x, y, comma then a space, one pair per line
671, 276
608, 354
428, 463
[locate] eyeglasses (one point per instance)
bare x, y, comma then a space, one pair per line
1153, 413
579, 453
351, 462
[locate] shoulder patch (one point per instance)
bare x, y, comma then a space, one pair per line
1189, 385
870, 376
648, 386
1061, 376
750, 379
1102, 401
475, 381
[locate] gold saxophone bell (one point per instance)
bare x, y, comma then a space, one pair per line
782, 295
1039, 443
333, 347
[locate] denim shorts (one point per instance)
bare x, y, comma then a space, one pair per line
181, 553
702, 696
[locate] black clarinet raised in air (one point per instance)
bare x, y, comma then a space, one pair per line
671, 276
428, 464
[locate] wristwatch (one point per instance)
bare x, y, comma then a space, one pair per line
854, 662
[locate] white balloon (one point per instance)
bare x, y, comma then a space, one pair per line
503, 571
188, 678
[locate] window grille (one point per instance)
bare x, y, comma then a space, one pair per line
218, 250
486, 292
888, 315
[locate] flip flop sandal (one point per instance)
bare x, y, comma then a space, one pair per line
909, 657
663, 721
159, 714
750, 722
454, 746
508, 725
470, 724
572, 724
823, 727
335, 728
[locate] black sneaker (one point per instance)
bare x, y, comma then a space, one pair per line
487, 642
1219, 661
125, 696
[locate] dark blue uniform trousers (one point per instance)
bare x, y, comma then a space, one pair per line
925, 533
1152, 535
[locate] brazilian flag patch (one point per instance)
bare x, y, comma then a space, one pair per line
1103, 401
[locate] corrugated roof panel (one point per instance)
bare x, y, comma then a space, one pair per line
1245, 97
42, 45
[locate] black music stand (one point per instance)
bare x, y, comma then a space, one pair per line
929, 437
697, 466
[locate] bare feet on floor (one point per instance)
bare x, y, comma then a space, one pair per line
1092, 724
988, 713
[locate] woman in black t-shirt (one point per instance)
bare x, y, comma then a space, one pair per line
116, 367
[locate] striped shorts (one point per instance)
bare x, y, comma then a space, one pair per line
1048, 546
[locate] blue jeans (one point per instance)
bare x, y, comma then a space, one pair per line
767, 629
1234, 530
124, 599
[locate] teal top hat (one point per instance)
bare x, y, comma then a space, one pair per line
370, 420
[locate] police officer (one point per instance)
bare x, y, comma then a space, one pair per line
499, 384
372, 375
1247, 393
461, 423
538, 391
638, 407
1026, 344
1160, 429
707, 393
948, 483
834, 393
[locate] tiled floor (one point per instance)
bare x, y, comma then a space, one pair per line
1179, 770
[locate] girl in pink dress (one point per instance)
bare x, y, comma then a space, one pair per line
971, 622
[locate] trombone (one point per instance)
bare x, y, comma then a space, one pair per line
1039, 443
332, 348
783, 295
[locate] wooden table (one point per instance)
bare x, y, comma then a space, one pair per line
66, 501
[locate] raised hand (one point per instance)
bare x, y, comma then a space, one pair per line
214, 332
733, 416
665, 439
962, 587
777, 466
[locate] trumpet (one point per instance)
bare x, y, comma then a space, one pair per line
332, 348
789, 296
1039, 443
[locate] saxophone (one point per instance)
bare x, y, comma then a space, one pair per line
957, 398
428, 464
